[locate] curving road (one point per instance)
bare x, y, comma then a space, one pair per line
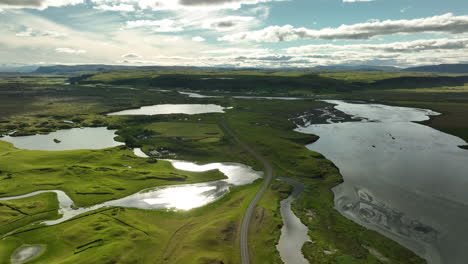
244, 235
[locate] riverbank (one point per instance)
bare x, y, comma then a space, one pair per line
335, 237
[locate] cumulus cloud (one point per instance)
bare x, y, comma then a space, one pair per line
70, 51
163, 25
399, 47
37, 4
447, 23
131, 56
198, 39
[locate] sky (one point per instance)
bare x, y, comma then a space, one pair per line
234, 33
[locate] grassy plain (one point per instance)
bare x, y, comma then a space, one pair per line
87, 176
205, 235
18, 213
201, 132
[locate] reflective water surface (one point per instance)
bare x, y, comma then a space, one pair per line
165, 109
181, 197
197, 95
402, 179
294, 232
69, 139
25, 253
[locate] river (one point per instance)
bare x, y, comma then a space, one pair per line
402, 179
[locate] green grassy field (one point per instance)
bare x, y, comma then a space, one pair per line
201, 132
18, 213
443, 89
206, 235
87, 176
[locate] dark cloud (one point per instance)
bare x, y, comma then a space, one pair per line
20, 3
223, 24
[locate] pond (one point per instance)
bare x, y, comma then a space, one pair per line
166, 109
67, 139
402, 179
26, 253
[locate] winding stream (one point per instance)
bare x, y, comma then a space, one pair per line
294, 232
402, 179
180, 197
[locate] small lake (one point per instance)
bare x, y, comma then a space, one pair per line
68, 139
166, 109
402, 179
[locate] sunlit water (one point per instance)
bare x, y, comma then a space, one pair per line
70, 139
402, 179
197, 95
179, 197
293, 233
165, 109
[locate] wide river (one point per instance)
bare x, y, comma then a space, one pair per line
402, 179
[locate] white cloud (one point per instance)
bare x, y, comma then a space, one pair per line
447, 23
163, 25
37, 4
186, 4
70, 51
198, 39
261, 12
398, 47
30, 32
207, 21
131, 56
238, 51
100, 47
119, 7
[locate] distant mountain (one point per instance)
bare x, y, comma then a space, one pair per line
442, 68
29, 68
64, 69
93, 68
357, 68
